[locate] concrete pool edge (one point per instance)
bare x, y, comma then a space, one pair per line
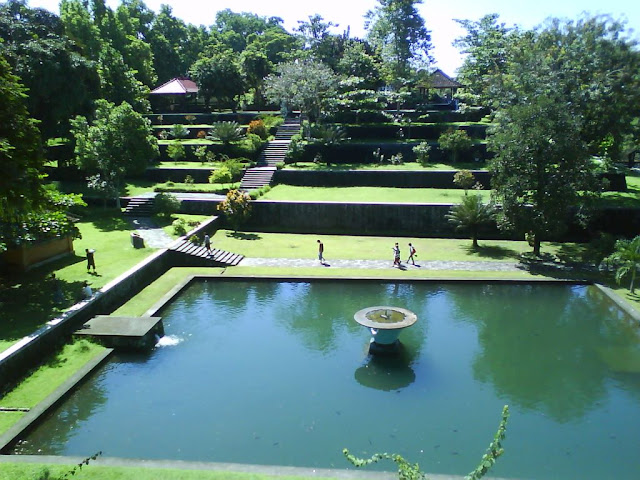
620, 302
269, 470
33, 416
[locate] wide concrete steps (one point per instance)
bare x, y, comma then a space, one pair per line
257, 177
139, 207
214, 255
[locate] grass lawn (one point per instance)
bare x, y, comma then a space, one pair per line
41, 383
108, 235
219, 188
19, 471
281, 245
385, 166
368, 194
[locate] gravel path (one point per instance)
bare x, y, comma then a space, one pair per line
154, 237
383, 264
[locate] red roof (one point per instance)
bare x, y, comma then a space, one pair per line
176, 86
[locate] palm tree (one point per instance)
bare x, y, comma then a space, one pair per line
226, 132
470, 215
626, 260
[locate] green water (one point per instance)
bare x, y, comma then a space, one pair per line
278, 373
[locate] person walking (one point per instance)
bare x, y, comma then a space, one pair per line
396, 255
321, 252
91, 261
412, 253
207, 243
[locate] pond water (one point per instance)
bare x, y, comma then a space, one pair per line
279, 373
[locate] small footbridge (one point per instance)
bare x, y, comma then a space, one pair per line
199, 254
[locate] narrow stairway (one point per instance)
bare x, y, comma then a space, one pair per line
273, 153
139, 207
214, 256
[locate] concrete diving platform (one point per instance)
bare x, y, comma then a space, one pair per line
130, 333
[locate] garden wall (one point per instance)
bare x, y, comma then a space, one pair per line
26, 256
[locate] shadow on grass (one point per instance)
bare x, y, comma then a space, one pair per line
493, 251
109, 220
243, 236
37, 303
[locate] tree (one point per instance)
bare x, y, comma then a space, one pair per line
471, 215
305, 84
356, 61
225, 132
40, 54
626, 260
485, 47
541, 167
118, 142
219, 76
398, 32
456, 141
21, 159
597, 87
118, 81
236, 208
176, 151
464, 179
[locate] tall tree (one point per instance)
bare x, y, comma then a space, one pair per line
118, 81
46, 61
485, 46
21, 158
303, 84
219, 76
541, 168
118, 142
399, 33
167, 37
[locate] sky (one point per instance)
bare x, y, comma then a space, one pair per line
439, 16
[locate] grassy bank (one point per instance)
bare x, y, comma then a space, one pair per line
46, 379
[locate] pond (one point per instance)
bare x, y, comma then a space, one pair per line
278, 373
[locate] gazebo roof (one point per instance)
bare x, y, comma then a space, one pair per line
439, 79
176, 86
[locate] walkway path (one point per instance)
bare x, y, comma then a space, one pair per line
154, 237
384, 264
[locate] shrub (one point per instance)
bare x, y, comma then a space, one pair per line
257, 127
328, 134
235, 167
236, 208
422, 151
397, 159
179, 131
464, 179
226, 132
201, 135
296, 150
189, 180
280, 165
190, 119
455, 141
254, 141
201, 153
179, 227
176, 151
163, 135
166, 204
220, 175
194, 239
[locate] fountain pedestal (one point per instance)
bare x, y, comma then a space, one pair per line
385, 324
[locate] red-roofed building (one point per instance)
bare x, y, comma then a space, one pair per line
177, 86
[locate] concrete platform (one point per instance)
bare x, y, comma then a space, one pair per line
133, 333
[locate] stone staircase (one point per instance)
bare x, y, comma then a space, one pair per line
273, 153
139, 207
214, 256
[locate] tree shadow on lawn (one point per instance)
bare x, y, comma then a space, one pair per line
29, 301
243, 236
493, 252
110, 221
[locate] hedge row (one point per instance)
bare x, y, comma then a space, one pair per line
427, 132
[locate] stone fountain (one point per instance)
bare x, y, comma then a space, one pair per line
385, 324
